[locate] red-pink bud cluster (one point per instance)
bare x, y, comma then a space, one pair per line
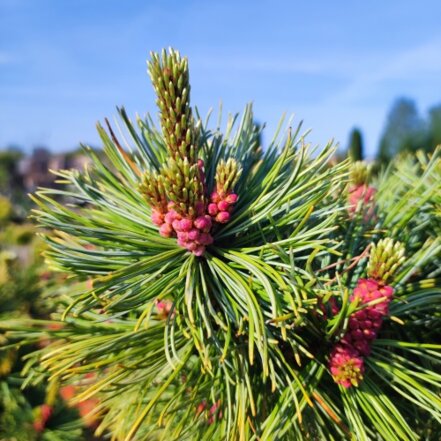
44, 412
213, 414
193, 231
163, 307
364, 326
365, 196
346, 366
221, 206
192, 234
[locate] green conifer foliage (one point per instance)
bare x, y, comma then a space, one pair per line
247, 339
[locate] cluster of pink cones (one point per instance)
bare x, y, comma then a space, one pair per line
346, 361
194, 234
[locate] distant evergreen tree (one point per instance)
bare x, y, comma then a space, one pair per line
435, 126
355, 149
405, 131
9, 159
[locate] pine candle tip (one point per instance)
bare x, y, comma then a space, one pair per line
360, 173
385, 258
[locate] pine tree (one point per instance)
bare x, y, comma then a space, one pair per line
405, 131
222, 284
355, 149
434, 127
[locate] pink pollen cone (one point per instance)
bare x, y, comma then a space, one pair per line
212, 209
205, 239
223, 217
171, 216
193, 234
374, 314
177, 225
362, 346
369, 334
157, 218
183, 236
367, 324
199, 251
363, 194
223, 205
183, 242
46, 411
164, 307
346, 366
191, 246
203, 223
231, 198
166, 230
186, 224
201, 407
353, 323
215, 197
357, 334
360, 315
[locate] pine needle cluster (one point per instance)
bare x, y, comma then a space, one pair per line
253, 336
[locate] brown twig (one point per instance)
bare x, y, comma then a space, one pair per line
354, 260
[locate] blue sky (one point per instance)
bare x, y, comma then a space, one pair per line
64, 64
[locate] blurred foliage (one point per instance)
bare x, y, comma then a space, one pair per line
5, 210
9, 160
24, 278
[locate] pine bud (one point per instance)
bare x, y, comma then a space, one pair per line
166, 230
227, 175
212, 209
223, 217
157, 218
223, 205
385, 258
360, 173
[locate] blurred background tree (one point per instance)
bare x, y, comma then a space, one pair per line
435, 125
9, 160
405, 131
355, 148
